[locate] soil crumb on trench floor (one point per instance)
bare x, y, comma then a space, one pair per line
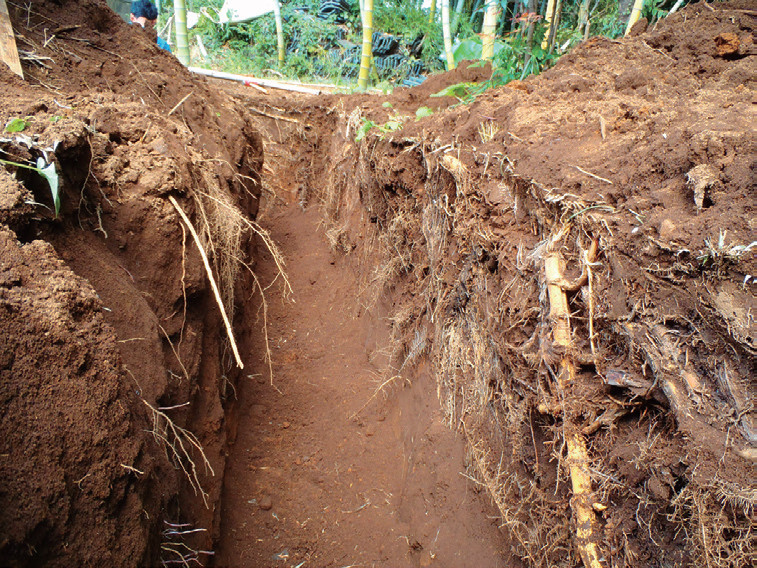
308, 483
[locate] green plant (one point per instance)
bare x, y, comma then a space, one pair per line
16, 125
513, 59
391, 125
48, 172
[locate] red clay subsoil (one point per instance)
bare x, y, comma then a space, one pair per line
327, 467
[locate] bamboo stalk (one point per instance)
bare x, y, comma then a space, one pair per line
456, 18
213, 284
549, 16
365, 60
638, 6
555, 25
279, 30
487, 30
432, 12
587, 531
182, 44
447, 35
583, 15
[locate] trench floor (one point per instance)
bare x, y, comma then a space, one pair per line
322, 472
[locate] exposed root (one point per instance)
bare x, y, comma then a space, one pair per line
587, 530
179, 445
211, 278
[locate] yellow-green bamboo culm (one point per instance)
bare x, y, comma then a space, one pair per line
447, 35
549, 17
638, 6
182, 44
432, 12
487, 30
279, 30
365, 60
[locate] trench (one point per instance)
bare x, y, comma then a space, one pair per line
334, 462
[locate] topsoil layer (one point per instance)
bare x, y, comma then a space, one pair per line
628, 168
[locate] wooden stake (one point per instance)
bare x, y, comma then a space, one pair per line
213, 285
8, 50
587, 532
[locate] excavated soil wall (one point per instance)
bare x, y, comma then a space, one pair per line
116, 367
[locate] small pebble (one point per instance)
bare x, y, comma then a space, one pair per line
266, 503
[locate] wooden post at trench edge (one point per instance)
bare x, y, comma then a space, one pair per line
8, 50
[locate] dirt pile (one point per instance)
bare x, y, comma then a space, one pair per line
114, 351
574, 255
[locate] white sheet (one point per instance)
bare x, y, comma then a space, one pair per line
235, 11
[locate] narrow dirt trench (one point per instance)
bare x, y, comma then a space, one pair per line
324, 470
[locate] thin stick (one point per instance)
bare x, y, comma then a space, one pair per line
595, 176
213, 284
180, 103
275, 117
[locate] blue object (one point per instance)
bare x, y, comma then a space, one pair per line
163, 44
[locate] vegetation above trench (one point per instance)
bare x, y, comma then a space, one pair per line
408, 44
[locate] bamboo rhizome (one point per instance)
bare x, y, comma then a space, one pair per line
586, 530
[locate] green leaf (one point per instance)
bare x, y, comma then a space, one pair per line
16, 125
468, 49
364, 129
458, 90
423, 112
387, 104
49, 172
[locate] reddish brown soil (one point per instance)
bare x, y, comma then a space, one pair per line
417, 261
326, 469
90, 324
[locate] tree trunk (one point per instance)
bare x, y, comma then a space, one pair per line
555, 25
529, 35
624, 9
583, 15
432, 12
549, 16
456, 17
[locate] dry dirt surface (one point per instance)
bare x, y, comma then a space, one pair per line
519, 331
